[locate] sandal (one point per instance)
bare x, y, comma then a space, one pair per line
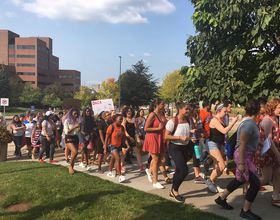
275, 203
168, 180
100, 171
245, 189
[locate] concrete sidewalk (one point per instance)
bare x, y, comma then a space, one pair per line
196, 195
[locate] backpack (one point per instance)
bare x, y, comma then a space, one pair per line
231, 143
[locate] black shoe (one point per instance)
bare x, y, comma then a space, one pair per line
249, 215
177, 198
223, 203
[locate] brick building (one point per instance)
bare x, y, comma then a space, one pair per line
31, 60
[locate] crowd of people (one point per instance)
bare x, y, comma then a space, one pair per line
192, 134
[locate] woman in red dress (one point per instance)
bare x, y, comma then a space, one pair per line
154, 143
269, 162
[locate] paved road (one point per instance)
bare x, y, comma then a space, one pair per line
196, 195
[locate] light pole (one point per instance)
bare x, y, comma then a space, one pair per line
120, 84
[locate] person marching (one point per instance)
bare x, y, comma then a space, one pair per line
114, 136
247, 143
154, 142
216, 145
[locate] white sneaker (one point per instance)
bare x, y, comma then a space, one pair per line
82, 165
211, 186
121, 178
202, 175
158, 185
149, 175
88, 167
110, 174
220, 190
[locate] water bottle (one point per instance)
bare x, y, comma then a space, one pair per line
196, 150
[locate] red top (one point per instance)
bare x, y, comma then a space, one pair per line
154, 140
205, 119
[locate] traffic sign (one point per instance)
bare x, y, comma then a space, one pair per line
4, 102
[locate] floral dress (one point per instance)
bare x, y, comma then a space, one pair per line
269, 158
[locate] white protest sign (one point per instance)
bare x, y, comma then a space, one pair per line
102, 105
4, 102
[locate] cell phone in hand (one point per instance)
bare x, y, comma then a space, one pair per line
237, 114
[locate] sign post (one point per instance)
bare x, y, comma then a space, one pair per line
4, 102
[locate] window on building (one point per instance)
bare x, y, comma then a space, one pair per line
26, 64
55, 63
25, 56
77, 77
10, 73
11, 64
65, 77
51, 76
67, 84
26, 73
77, 85
41, 74
11, 46
30, 47
41, 83
32, 82
11, 55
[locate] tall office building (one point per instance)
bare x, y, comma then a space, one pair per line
31, 60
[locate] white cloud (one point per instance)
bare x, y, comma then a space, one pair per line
145, 61
147, 55
177, 61
111, 11
131, 55
16, 2
10, 14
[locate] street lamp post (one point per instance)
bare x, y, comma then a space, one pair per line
120, 84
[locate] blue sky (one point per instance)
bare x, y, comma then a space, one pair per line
90, 35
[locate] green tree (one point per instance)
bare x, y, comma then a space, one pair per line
31, 94
137, 86
58, 91
109, 90
85, 94
169, 89
5, 87
16, 91
236, 50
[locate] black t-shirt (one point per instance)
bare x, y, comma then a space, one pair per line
103, 127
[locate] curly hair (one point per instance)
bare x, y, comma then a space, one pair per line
252, 107
271, 105
125, 110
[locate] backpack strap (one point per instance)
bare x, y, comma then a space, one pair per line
113, 127
175, 124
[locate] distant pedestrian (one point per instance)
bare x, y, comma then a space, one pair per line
29, 124
72, 126
47, 137
35, 138
18, 131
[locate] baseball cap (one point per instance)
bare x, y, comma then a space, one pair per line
48, 113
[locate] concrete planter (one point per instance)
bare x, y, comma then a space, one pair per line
3, 152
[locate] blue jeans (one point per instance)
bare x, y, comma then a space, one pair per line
203, 150
18, 144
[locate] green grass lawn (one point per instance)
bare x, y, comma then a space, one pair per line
11, 111
55, 194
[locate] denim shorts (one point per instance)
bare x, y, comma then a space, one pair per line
113, 148
214, 146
